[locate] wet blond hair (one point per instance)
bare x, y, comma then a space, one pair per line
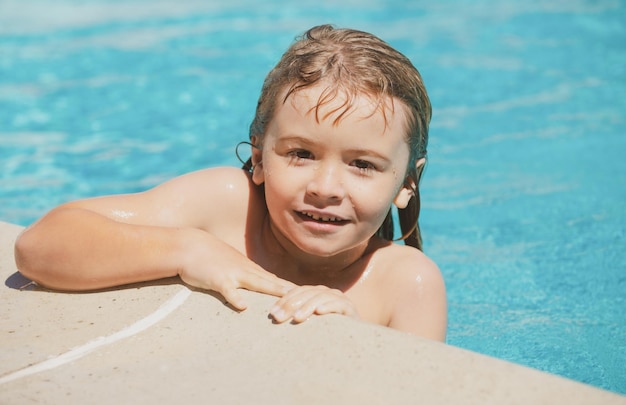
354, 63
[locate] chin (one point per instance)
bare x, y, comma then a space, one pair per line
323, 248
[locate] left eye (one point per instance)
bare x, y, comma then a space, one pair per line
302, 154
363, 165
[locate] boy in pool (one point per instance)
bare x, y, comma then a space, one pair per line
339, 137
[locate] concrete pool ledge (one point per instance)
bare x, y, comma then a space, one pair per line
161, 342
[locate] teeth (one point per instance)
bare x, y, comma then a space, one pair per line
322, 219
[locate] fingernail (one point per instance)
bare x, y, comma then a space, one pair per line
278, 313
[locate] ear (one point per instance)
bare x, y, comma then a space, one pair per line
404, 195
406, 192
258, 175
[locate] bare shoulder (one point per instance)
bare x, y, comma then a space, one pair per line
410, 272
207, 196
407, 263
200, 199
415, 287
208, 181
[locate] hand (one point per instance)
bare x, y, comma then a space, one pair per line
214, 265
302, 302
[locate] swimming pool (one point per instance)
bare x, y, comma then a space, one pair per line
524, 193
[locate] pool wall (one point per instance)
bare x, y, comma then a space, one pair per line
162, 343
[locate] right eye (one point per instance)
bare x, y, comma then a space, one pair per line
298, 154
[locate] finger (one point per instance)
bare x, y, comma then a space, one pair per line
285, 311
232, 296
299, 293
321, 304
261, 273
290, 303
302, 302
343, 307
267, 285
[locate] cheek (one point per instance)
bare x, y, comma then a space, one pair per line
381, 197
374, 203
277, 187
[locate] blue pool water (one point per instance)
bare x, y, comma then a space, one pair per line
524, 196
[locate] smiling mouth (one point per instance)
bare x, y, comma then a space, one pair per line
322, 218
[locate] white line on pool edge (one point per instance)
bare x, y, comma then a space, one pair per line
164, 310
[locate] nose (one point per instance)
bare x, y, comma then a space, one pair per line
326, 183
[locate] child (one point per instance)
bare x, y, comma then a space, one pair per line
339, 137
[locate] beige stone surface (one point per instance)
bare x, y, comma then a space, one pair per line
162, 343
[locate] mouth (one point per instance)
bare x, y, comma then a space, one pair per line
322, 218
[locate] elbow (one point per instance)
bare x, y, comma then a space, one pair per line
22, 254
26, 257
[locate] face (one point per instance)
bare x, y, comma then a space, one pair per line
329, 184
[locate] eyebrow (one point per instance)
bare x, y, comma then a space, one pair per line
294, 138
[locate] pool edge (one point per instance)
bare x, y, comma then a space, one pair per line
363, 360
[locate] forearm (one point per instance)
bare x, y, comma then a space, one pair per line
76, 249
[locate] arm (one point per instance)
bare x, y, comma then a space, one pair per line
160, 233
77, 248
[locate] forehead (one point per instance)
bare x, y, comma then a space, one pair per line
331, 103
335, 121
